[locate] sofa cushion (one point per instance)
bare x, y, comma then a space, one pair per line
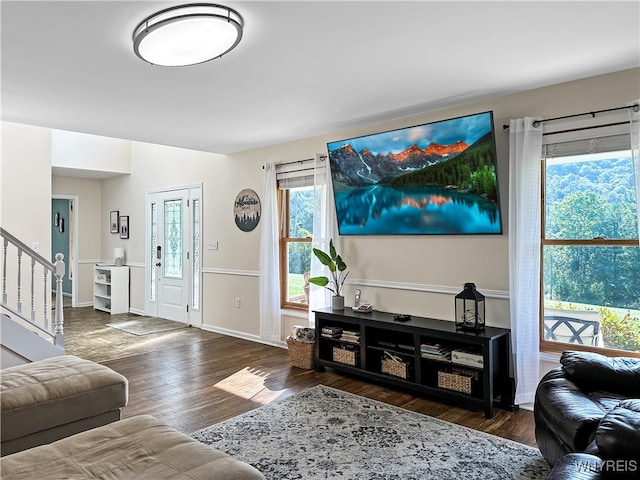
41, 395
618, 434
139, 447
592, 371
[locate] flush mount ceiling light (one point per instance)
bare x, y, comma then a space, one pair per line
187, 34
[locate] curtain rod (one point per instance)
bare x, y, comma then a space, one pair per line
322, 158
537, 123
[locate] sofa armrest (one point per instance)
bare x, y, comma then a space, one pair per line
577, 466
592, 371
574, 416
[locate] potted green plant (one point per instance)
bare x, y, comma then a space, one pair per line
336, 267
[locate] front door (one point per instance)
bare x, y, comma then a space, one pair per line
171, 279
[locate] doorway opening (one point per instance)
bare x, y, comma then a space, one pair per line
64, 239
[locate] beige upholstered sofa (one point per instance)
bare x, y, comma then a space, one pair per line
50, 399
134, 448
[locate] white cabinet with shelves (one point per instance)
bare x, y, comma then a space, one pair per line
111, 289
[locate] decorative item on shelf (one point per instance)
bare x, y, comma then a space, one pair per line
56, 219
469, 309
331, 332
467, 357
336, 267
337, 302
61, 225
118, 256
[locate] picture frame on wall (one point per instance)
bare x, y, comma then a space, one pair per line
124, 226
114, 221
247, 210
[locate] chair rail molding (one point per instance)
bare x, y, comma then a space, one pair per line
420, 287
230, 271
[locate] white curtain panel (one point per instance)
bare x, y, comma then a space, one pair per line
634, 112
270, 323
525, 146
325, 228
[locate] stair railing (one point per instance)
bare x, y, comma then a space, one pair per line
57, 270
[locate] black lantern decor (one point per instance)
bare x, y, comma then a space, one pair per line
470, 308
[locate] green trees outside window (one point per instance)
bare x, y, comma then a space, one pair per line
590, 253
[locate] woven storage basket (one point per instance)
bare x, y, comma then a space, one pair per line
395, 368
302, 354
454, 381
342, 355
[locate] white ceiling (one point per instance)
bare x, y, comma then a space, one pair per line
303, 68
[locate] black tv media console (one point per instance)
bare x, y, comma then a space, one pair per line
407, 354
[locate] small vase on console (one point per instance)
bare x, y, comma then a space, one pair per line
337, 302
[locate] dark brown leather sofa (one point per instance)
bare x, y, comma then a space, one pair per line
587, 416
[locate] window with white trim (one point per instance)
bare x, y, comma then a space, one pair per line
295, 195
590, 255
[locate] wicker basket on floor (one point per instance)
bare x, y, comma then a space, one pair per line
302, 354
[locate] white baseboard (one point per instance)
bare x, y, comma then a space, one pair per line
242, 335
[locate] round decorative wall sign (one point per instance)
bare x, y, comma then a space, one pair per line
246, 210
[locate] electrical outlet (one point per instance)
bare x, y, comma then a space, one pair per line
213, 245
238, 302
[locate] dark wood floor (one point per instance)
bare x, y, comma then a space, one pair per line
192, 386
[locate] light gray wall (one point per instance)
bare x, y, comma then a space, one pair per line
398, 274
25, 177
25, 203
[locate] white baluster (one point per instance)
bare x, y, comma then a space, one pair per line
59, 273
47, 296
4, 271
19, 280
33, 290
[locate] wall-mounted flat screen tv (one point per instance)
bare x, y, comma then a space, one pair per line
433, 179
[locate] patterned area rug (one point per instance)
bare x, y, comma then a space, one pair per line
147, 326
324, 433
